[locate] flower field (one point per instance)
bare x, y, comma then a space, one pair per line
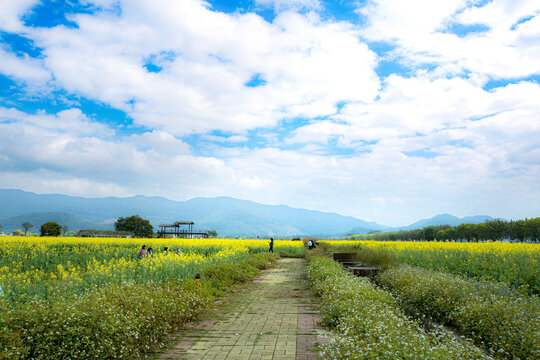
43, 267
93, 298
487, 292
501, 319
515, 264
370, 323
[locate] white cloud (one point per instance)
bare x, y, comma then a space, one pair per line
23, 68
308, 65
43, 181
11, 13
418, 29
417, 146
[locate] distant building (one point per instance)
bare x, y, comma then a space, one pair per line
181, 229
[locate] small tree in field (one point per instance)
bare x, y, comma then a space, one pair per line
51, 229
26, 226
138, 226
65, 229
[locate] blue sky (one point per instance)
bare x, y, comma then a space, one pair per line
379, 109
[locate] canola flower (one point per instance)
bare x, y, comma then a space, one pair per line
93, 298
516, 264
51, 266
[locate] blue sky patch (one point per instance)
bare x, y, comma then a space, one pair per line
8, 88
386, 68
521, 21
426, 154
151, 67
496, 83
256, 80
51, 13
343, 10
462, 30
154, 63
242, 7
20, 45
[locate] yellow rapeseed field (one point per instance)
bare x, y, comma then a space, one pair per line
47, 266
517, 264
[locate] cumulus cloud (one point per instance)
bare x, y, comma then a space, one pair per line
10, 16
24, 69
329, 133
422, 32
202, 61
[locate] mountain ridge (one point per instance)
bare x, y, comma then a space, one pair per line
227, 215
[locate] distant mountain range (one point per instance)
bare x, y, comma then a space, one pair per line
228, 216
445, 219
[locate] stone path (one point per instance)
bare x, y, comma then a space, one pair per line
273, 318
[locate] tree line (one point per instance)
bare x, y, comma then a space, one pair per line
491, 230
133, 225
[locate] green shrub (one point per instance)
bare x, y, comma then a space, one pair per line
262, 260
117, 321
379, 257
501, 318
369, 323
220, 276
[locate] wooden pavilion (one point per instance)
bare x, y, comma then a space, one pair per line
181, 229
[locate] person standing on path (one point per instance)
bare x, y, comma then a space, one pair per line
271, 249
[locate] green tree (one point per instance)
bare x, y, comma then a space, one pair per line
138, 226
532, 228
51, 229
429, 233
65, 229
497, 229
212, 233
26, 226
466, 231
517, 230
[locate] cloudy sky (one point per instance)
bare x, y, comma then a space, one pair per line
386, 110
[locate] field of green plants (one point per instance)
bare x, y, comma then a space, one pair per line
370, 323
511, 263
498, 314
93, 298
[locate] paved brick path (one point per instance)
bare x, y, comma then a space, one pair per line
273, 318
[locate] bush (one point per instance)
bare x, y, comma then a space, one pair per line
117, 321
504, 320
378, 257
369, 323
262, 260
120, 320
220, 276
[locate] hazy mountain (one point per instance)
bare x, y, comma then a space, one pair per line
445, 219
228, 216
13, 223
